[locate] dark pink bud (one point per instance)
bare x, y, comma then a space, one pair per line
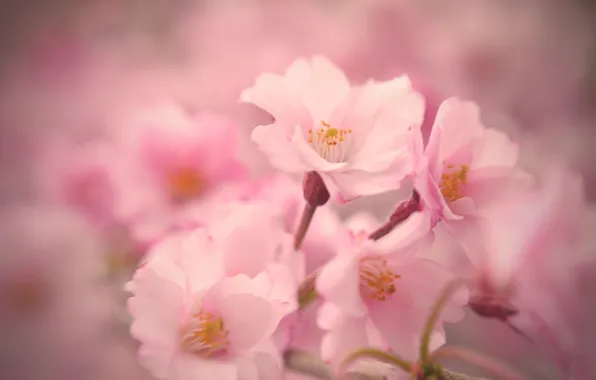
315, 191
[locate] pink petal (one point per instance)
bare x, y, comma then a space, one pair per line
246, 317
321, 84
338, 282
277, 97
488, 183
406, 235
347, 336
354, 184
390, 133
202, 265
274, 141
155, 311
247, 369
190, 367
268, 361
156, 359
329, 316
259, 286
495, 149
399, 322
460, 125
416, 276
248, 249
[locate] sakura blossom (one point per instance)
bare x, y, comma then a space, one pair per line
167, 169
370, 285
354, 137
194, 319
463, 164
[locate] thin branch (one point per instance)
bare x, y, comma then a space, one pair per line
434, 318
308, 364
487, 363
307, 215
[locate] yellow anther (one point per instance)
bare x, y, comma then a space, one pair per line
205, 335
451, 183
377, 281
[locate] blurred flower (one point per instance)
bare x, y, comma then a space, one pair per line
54, 311
532, 240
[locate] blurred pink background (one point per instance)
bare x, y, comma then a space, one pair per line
73, 71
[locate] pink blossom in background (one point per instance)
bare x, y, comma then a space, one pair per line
530, 247
351, 136
53, 308
127, 157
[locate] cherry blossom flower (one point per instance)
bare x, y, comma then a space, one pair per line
355, 138
320, 242
464, 165
385, 285
195, 320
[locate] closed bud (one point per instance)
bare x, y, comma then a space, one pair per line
315, 191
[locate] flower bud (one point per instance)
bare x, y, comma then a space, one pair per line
315, 191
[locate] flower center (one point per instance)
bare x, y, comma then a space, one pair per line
330, 143
205, 335
377, 281
186, 183
451, 182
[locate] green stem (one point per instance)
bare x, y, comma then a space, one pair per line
434, 318
495, 367
379, 355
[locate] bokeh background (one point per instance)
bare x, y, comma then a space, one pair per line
72, 71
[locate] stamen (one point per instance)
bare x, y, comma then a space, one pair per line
451, 182
186, 183
205, 335
377, 282
330, 143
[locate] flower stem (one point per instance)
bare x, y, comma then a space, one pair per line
487, 363
308, 364
379, 355
401, 213
315, 194
307, 215
434, 317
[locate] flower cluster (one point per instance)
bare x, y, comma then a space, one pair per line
233, 274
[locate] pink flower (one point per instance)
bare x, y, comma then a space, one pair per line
526, 270
286, 195
355, 138
385, 284
195, 320
464, 165
185, 156
53, 307
529, 229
